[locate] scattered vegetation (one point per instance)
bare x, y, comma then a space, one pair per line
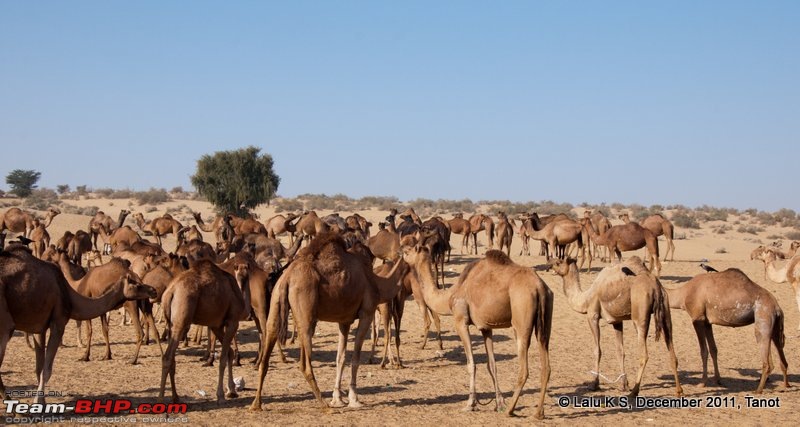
720, 251
685, 219
41, 199
153, 196
22, 182
793, 235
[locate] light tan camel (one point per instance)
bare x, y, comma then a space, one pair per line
493, 293
730, 298
35, 297
621, 291
459, 225
790, 272
659, 226
220, 226
311, 225
103, 225
158, 226
40, 238
385, 244
600, 224
205, 295
280, 224
326, 283
505, 232
477, 223
628, 237
17, 220
122, 236
779, 254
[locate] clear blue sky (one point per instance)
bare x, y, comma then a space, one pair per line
692, 102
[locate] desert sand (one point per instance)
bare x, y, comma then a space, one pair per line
432, 389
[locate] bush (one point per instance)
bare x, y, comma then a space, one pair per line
81, 190
684, 220
152, 196
41, 199
72, 209
288, 205
751, 229
793, 235
720, 251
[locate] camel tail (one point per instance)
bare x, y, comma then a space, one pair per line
662, 315
166, 307
779, 338
278, 320
544, 317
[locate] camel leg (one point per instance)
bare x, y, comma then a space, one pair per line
151, 322
620, 354
269, 340
594, 325
777, 341
641, 331
462, 327
344, 330
168, 365
437, 322
79, 326
104, 329
399, 307
796, 286
766, 361
364, 320
426, 321
304, 336
56, 334
712, 350
38, 350
492, 367
86, 353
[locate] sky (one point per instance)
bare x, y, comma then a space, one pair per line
679, 102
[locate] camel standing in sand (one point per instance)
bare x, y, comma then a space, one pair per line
35, 298
628, 237
730, 298
385, 244
311, 225
459, 225
326, 283
493, 293
658, 225
625, 291
790, 272
557, 235
280, 224
40, 238
600, 224
103, 225
205, 295
17, 220
158, 227
477, 223
505, 232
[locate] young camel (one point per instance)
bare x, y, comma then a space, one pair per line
326, 283
102, 225
205, 295
505, 232
730, 298
628, 237
790, 272
493, 293
625, 291
35, 298
659, 226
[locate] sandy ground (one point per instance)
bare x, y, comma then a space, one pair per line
432, 389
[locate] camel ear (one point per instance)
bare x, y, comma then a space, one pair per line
184, 262
628, 271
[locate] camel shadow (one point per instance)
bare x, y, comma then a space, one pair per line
678, 279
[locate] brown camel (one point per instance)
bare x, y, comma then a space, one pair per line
459, 225
385, 244
280, 224
623, 291
220, 226
505, 232
17, 220
790, 272
628, 237
493, 293
80, 244
600, 224
96, 282
122, 236
103, 225
311, 225
358, 222
477, 223
35, 297
557, 235
658, 225
436, 236
779, 254
414, 217
205, 295
730, 298
40, 238
158, 226
326, 283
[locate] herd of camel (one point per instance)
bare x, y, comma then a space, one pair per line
337, 270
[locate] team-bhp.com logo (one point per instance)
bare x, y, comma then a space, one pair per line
17, 412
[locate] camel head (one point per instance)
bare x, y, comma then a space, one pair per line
624, 217
458, 215
501, 215
415, 254
795, 245
560, 266
134, 289
756, 254
381, 226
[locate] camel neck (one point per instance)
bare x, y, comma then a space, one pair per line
84, 308
64, 264
577, 297
677, 296
438, 300
777, 275
390, 285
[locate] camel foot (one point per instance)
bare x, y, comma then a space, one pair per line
106, 357
256, 406
679, 391
539, 415
355, 404
336, 402
231, 395
84, 359
501, 405
134, 362
469, 408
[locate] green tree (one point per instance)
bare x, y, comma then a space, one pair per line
22, 182
236, 181
62, 188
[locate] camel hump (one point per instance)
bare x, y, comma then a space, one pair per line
319, 243
498, 257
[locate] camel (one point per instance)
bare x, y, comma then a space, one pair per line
102, 224
505, 232
157, 227
621, 291
414, 217
730, 298
477, 223
16, 220
80, 243
35, 297
459, 225
358, 222
407, 226
600, 224
220, 227
122, 236
790, 272
40, 238
493, 293
658, 225
311, 225
96, 282
205, 295
543, 221
628, 237
436, 236
558, 234
280, 224
779, 254
385, 244
326, 283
